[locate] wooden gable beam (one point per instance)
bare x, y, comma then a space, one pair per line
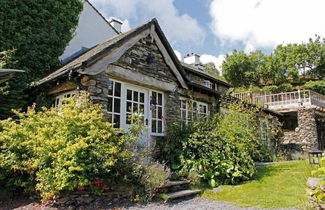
167, 58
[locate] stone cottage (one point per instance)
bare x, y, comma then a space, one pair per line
138, 72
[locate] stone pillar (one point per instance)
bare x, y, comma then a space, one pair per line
305, 135
307, 129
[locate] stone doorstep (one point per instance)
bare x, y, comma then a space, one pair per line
174, 183
183, 193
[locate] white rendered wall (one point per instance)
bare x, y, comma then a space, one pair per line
92, 29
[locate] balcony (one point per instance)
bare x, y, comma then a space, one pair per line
284, 102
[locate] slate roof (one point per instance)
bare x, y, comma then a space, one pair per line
100, 49
192, 69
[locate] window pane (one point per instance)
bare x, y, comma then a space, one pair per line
135, 96
194, 106
135, 107
110, 104
159, 112
110, 88
159, 99
141, 108
117, 91
183, 114
129, 95
189, 115
205, 109
116, 121
194, 115
154, 112
110, 118
154, 126
154, 98
142, 97
183, 104
159, 126
128, 118
117, 105
129, 106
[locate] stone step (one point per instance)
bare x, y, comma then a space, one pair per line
175, 183
183, 193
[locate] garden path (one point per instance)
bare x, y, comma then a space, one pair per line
183, 204
195, 204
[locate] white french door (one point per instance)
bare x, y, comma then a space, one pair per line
126, 101
136, 104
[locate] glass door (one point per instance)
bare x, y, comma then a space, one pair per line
136, 108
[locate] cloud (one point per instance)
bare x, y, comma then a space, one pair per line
267, 23
205, 58
178, 54
178, 28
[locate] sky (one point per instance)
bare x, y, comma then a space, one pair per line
213, 28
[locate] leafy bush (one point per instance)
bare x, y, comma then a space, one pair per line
170, 148
317, 86
220, 150
220, 156
51, 151
318, 193
151, 176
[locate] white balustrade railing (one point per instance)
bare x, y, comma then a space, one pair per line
284, 100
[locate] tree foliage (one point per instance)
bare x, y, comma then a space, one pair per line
285, 64
211, 69
38, 31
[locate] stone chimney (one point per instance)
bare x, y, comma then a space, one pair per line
194, 60
116, 24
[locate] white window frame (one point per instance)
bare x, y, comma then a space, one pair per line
59, 98
187, 119
208, 84
113, 113
147, 105
151, 118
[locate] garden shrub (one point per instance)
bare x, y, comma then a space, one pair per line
170, 147
317, 86
150, 177
318, 193
220, 150
50, 151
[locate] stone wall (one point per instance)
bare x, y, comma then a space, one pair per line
305, 135
146, 58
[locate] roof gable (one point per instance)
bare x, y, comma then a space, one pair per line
91, 62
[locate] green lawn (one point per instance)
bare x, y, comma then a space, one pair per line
274, 186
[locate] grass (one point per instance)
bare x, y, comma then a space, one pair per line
274, 186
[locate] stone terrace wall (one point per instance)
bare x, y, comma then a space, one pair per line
305, 135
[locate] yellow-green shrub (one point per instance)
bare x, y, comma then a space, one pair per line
51, 151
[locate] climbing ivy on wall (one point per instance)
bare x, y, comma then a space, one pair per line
38, 31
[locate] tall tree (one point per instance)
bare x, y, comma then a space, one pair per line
241, 69
286, 64
211, 69
39, 31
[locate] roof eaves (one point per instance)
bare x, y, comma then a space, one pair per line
204, 88
191, 69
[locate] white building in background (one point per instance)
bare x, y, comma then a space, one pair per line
92, 29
